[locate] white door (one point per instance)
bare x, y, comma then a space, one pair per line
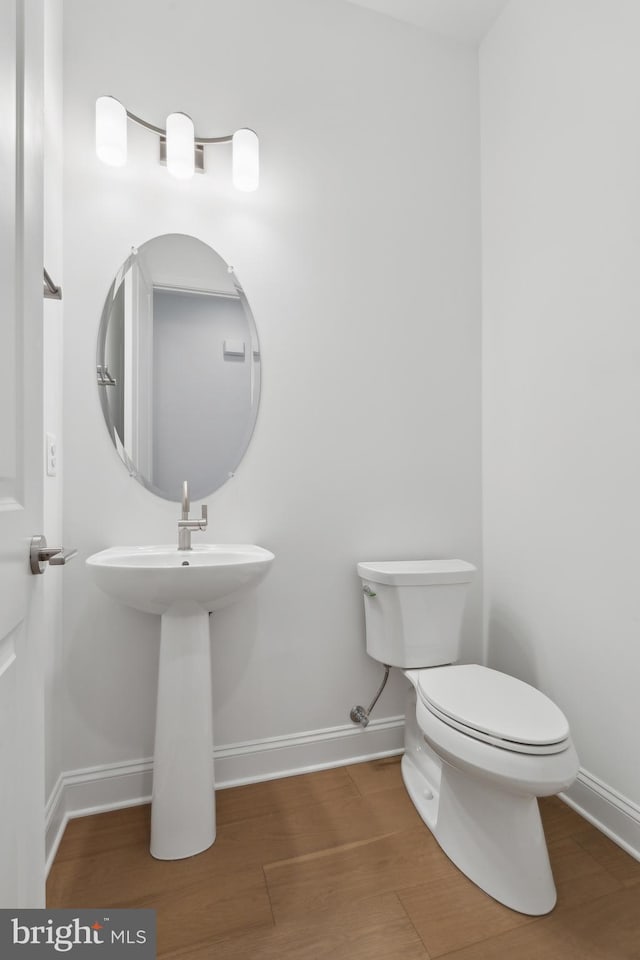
21, 455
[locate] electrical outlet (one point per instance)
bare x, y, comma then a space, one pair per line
52, 455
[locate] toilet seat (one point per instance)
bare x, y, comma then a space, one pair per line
493, 707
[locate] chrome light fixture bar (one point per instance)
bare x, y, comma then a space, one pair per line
180, 148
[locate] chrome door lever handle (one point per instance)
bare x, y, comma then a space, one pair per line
40, 554
61, 556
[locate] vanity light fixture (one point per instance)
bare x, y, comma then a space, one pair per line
180, 148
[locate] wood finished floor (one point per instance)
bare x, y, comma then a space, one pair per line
337, 864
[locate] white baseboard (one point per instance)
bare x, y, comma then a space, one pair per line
615, 815
79, 793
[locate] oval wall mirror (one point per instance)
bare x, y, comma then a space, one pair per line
178, 367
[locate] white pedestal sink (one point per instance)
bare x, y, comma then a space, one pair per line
184, 587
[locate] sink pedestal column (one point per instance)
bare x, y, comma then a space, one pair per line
183, 815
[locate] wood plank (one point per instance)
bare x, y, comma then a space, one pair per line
338, 864
87, 836
579, 877
613, 858
204, 913
287, 793
354, 871
207, 895
450, 912
108, 845
559, 819
376, 775
285, 835
373, 929
607, 928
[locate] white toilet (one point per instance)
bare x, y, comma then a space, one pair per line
480, 746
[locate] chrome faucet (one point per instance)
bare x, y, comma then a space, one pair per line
185, 525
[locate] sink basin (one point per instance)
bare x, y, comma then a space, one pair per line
161, 578
184, 587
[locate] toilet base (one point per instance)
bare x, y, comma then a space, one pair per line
495, 837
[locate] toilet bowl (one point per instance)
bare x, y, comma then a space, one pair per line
480, 746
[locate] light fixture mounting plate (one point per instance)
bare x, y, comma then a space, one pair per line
198, 155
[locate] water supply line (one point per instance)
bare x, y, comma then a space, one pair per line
359, 714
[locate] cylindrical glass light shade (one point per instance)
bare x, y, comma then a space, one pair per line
246, 160
180, 146
111, 131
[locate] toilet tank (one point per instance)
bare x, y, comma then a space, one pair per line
413, 610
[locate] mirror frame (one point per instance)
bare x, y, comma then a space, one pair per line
101, 367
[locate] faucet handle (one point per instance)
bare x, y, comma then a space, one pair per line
205, 515
185, 499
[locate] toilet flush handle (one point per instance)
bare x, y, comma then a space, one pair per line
368, 592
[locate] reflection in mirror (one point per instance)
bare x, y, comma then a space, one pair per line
178, 367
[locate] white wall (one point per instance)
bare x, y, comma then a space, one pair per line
360, 259
561, 208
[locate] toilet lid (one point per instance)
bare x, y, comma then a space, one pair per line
492, 705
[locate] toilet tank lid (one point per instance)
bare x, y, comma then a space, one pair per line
408, 573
